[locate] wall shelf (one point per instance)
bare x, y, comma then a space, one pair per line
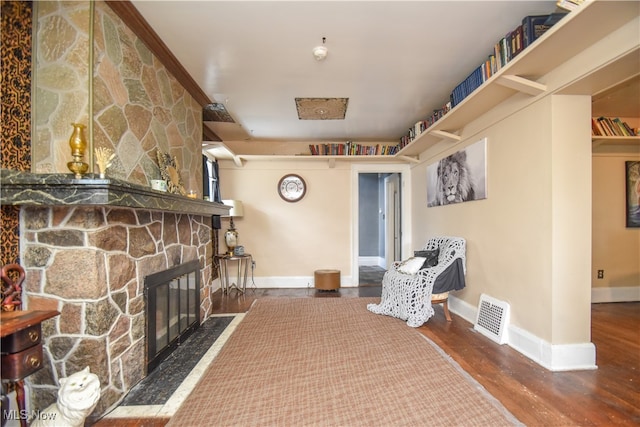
330, 159
574, 33
615, 140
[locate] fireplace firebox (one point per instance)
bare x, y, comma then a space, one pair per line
172, 309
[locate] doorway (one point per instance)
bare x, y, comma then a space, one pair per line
379, 225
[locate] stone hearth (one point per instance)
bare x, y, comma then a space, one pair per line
86, 246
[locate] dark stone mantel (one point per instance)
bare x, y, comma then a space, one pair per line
25, 188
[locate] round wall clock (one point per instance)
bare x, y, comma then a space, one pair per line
292, 187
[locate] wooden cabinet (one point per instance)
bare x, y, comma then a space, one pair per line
21, 341
21, 347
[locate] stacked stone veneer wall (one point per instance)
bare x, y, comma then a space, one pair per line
61, 80
89, 264
136, 106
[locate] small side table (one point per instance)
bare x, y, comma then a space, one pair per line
243, 262
21, 342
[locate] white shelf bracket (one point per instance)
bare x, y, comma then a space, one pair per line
332, 163
521, 84
446, 135
238, 161
409, 159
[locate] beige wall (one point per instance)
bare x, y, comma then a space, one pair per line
570, 219
616, 249
289, 241
509, 233
529, 242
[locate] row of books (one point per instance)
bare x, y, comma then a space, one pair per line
423, 125
507, 48
607, 126
350, 148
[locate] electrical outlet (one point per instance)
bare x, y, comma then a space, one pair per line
600, 274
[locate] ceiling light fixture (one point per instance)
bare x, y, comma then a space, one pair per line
320, 52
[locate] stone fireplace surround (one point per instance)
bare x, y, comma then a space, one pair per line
86, 246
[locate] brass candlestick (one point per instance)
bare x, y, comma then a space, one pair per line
78, 144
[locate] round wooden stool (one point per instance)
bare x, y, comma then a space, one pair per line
327, 280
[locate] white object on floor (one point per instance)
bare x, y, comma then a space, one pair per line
78, 396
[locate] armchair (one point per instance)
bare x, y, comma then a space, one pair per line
409, 296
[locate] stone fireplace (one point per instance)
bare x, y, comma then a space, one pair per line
87, 246
172, 300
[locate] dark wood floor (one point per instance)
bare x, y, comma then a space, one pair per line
607, 396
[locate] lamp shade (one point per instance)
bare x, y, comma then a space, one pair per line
236, 211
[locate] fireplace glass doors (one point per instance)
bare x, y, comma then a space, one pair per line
173, 309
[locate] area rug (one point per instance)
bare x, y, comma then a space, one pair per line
331, 362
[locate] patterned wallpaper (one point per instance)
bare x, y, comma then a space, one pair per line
16, 111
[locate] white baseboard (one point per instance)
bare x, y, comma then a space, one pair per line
463, 309
372, 260
559, 357
566, 357
615, 294
293, 282
215, 284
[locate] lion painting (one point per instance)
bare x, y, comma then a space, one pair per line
455, 183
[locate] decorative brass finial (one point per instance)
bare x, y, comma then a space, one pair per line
78, 144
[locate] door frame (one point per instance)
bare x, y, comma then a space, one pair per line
405, 184
392, 219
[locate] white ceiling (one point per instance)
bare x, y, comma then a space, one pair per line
396, 61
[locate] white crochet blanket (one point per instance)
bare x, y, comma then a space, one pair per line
408, 297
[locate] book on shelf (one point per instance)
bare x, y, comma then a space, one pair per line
596, 127
555, 17
351, 148
624, 127
569, 4
533, 26
423, 125
508, 47
608, 126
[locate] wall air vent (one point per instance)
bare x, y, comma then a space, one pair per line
493, 318
216, 112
